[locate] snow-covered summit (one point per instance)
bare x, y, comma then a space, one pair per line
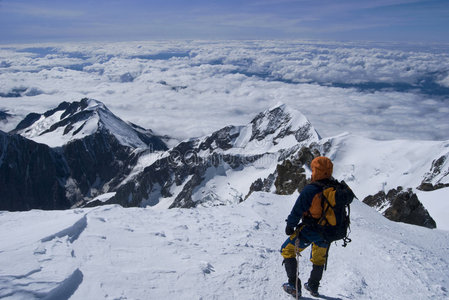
76, 120
280, 126
272, 130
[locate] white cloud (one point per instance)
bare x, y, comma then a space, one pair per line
444, 81
201, 86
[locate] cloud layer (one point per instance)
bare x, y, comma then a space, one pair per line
191, 88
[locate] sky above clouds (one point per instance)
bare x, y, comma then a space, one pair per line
24, 21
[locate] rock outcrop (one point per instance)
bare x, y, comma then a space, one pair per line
439, 171
32, 175
291, 175
401, 206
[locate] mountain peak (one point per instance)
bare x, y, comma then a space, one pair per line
85, 104
280, 105
281, 121
92, 104
76, 120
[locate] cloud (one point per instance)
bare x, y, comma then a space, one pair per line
444, 81
191, 88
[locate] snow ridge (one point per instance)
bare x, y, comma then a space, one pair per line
73, 232
67, 287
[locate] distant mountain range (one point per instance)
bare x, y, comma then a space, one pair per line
81, 154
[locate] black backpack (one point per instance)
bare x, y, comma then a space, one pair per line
334, 222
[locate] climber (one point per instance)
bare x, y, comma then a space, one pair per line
307, 208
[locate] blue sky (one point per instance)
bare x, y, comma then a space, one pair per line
119, 20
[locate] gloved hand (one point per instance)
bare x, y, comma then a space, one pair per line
289, 230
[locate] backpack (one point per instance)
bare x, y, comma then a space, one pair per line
334, 222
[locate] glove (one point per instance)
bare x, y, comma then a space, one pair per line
289, 230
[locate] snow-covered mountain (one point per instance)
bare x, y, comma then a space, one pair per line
76, 120
91, 147
218, 168
223, 252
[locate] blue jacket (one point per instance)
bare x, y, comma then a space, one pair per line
302, 204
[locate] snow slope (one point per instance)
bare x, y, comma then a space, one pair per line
372, 165
226, 252
437, 203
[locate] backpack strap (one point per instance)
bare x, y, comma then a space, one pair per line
324, 210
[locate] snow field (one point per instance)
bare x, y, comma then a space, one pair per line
224, 252
437, 203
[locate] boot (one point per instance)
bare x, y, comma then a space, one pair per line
314, 280
291, 269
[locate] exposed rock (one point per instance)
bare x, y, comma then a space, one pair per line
182, 169
262, 185
32, 175
401, 206
438, 172
95, 160
437, 165
427, 186
290, 178
305, 156
291, 174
